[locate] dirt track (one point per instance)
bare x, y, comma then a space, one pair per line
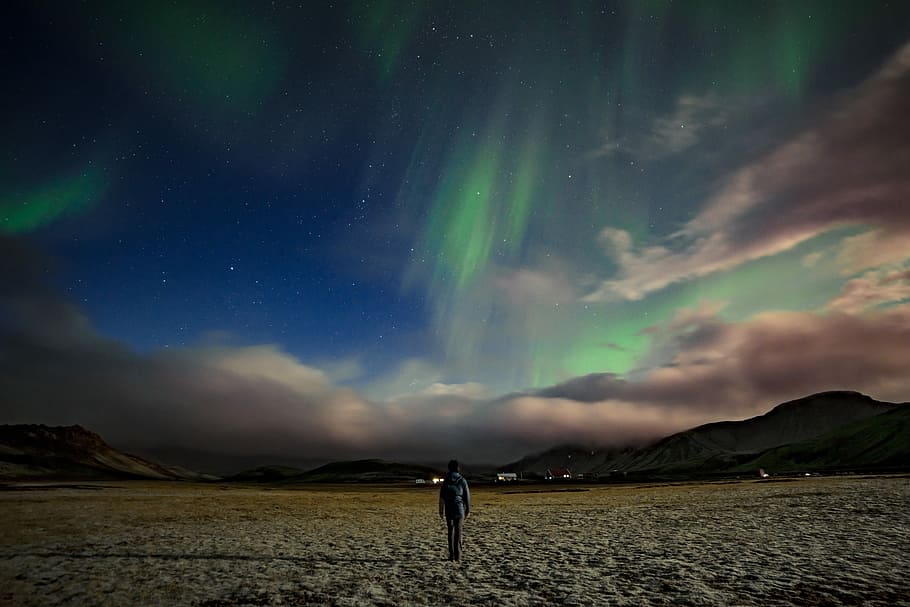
816, 541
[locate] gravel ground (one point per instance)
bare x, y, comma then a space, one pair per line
812, 541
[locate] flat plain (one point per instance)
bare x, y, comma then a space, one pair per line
807, 541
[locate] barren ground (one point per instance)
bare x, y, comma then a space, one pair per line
812, 541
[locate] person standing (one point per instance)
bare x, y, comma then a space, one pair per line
454, 506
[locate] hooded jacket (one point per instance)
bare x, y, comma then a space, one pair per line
454, 496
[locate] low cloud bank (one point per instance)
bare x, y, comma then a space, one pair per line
259, 400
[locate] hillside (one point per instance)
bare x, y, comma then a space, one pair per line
38, 452
736, 445
826, 431
366, 471
880, 443
265, 474
718, 445
577, 458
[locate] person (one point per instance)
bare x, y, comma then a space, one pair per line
454, 506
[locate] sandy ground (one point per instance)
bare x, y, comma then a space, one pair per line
815, 541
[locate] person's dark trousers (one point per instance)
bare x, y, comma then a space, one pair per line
454, 525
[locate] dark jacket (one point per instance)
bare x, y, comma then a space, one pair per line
454, 496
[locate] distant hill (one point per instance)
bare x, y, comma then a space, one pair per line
731, 446
265, 474
367, 471
356, 471
577, 458
823, 432
38, 452
221, 464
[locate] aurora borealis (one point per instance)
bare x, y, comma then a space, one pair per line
412, 229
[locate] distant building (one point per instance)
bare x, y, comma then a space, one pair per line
554, 474
506, 477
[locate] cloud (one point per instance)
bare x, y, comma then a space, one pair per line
685, 127
258, 400
874, 289
468, 390
410, 375
509, 328
811, 260
544, 421
850, 170
525, 286
879, 247
721, 368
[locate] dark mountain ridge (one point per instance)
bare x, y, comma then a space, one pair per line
576, 458
825, 432
787, 423
39, 452
730, 445
790, 422
367, 470
881, 443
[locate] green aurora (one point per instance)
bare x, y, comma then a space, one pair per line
521, 144
496, 195
27, 210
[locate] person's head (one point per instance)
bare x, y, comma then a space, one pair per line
453, 465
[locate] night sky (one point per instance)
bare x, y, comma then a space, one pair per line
428, 229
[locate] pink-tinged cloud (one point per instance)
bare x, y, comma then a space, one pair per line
875, 248
849, 170
873, 290
261, 401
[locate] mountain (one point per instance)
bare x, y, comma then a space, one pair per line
265, 474
357, 471
38, 452
577, 458
366, 471
736, 445
881, 442
221, 464
717, 446
823, 432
